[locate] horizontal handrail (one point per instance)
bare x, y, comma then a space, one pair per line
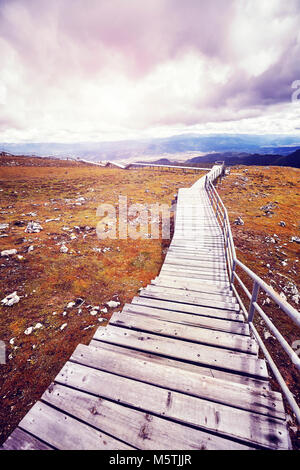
232, 263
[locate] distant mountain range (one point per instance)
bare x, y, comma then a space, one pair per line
232, 158
194, 148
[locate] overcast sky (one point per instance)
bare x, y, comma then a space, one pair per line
82, 70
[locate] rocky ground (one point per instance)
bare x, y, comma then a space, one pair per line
58, 281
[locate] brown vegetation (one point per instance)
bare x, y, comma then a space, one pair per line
47, 280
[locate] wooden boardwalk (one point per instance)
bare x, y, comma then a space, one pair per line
176, 369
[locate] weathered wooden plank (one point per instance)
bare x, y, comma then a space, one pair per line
186, 366
64, 432
244, 364
181, 380
224, 420
233, 327
196, 256
21, 440
188, 308
198, 273
190, 293
187, 298
168, 271
137, 428
180, 266
196, 334
193, 262
192, 285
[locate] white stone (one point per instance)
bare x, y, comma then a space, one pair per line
64, 249
282, 295
112, 304
33, 227
29, 330
9, 252
11, 299
63, 326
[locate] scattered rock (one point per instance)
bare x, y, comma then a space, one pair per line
11, 299
71, 304
295, 239
268, 208
282, 295
63, 326
291, 290
282, 223
8, 252
268, 335
4, 226
270, 239
29, 330
239, 221
33, 227
64, 249
112, 304
51, 220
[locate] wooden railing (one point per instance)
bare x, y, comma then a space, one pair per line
257, 284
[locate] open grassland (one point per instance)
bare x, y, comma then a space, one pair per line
268, 201
63, 199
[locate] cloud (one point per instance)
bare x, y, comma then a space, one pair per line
102, 69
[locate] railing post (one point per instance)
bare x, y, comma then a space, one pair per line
232, 272
224, 224
255, 292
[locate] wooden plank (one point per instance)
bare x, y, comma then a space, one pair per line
221, 419
198, 263
187, 308
244, 364
198, 273
66, 433
190, 293
21, 440
137, 428
195, 256
185, 366
192, 285
217, 324
167, 270
195, 334
209, 271
187, 298
180, 380
217, 286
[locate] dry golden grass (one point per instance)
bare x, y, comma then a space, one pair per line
47, 280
